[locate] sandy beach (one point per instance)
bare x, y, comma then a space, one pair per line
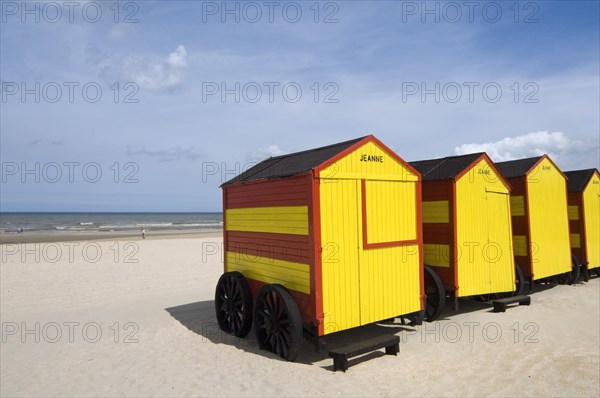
102, 236
129, 317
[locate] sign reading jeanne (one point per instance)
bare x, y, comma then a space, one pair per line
371, 158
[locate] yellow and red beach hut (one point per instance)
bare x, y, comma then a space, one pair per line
584, 217
320, 241
467, 234
540, 220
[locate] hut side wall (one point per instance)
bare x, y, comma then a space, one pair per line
438, 230
576, 226
268, 235
520, 224
591, 206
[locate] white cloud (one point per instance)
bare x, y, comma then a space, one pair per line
178, 58
274, 150
568, 153
151, 72
263, 153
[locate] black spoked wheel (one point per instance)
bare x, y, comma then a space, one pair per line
519, 281
233, 304
277, 322
435, 295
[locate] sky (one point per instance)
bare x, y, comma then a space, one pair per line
151, 105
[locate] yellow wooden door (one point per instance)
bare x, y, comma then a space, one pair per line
497, 252
340, 210
485, 264
548, 221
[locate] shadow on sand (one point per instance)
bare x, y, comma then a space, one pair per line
199, 317
478, 303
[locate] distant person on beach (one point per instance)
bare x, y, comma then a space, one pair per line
143, 234
19, 230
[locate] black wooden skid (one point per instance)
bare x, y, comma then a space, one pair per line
341, 355
501, 304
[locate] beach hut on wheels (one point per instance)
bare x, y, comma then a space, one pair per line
467, 241
584, 218
539, 219
318, 242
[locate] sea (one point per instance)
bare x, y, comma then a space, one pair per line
57, 223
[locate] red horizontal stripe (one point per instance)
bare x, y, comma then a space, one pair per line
265, 202
297, 186
279, 192
284, 185
266, 193
437, 233
575, 226
287, 247
436, 190
519, 225
303, 239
